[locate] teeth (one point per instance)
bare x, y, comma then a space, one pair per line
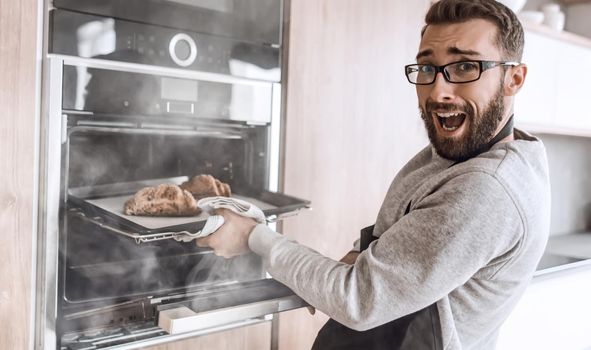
449, 129
447, 115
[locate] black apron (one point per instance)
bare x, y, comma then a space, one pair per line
420, 330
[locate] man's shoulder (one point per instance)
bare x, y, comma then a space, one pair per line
521, 158
519, 168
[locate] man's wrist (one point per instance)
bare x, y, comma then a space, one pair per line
262, 239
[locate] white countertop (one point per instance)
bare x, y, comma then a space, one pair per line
575, 245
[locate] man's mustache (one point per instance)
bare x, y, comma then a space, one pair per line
447, 107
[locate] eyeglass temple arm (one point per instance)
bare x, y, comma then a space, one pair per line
491, 64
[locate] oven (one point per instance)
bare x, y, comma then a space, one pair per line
138, 94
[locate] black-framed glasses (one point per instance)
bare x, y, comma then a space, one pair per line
455, 72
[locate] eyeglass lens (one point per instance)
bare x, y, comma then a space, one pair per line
456, 73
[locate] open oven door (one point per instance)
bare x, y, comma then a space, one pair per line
235, 304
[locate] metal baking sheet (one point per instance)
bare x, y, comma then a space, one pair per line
115, 205
106, 202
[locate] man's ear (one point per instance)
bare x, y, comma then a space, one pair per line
514, 79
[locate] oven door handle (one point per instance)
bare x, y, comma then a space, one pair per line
183, 319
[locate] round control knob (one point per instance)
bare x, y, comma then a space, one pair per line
182, 49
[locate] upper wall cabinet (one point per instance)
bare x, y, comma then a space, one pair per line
535, 104
555, 97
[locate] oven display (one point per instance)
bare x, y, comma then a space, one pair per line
179, 89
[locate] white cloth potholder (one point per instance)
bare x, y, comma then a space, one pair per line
238, 206
214, 222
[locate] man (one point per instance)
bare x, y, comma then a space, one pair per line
464, 223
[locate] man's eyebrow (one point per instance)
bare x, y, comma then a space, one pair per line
452, 50
457, 51
424, 53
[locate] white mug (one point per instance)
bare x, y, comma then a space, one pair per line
554, 20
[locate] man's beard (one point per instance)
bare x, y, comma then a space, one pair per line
474, 140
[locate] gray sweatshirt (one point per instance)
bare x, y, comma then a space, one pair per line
469, 245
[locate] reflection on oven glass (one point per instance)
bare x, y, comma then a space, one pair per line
215, 5
119, 93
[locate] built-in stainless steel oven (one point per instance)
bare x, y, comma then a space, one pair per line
141, 93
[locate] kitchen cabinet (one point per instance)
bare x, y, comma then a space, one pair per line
535, 104
352, 123
554, 97
18, 126
572, 93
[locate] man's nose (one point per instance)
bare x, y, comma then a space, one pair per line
441, 89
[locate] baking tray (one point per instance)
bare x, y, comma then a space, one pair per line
106, 202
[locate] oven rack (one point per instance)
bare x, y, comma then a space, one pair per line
184, 236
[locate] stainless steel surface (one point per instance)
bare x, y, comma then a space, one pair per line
278, 113
133, 235
277, 218
115, 205
156, 70
92, 125
38, 295
176, 337
143, 238
49, 199
250, 102
150, 130
182, 319
276, 126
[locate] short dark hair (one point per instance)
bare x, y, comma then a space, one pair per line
509, 30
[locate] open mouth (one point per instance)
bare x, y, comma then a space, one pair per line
450, 122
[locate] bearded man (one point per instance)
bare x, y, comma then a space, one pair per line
463, 224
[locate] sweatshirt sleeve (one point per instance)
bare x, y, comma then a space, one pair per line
447, 238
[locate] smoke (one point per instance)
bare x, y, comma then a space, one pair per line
214, 271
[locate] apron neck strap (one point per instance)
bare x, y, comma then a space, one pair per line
505, 131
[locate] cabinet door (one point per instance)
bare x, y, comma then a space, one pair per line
572, 91
18, 119
535, 104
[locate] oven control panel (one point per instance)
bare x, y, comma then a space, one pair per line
91, 36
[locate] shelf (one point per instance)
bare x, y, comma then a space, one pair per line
572, 2
553, 130
562, 36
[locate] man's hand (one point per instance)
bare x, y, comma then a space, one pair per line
231, 239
